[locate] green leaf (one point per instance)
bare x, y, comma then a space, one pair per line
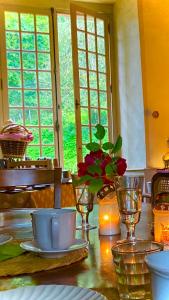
81, 180
93, 146
110, 170
95, 185
108, 146
94, 169
10, 250
118, 144
100, 133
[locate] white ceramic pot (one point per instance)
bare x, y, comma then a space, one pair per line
158, 264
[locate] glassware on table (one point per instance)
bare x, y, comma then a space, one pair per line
133, 277
84, 205
129, 202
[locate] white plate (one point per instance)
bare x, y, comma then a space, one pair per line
51, 292
5, 238
30, 246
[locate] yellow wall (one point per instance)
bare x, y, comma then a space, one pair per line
154, 36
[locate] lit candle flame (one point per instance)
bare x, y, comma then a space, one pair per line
106, 217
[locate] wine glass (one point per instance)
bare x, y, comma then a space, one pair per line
84, 205
129, 202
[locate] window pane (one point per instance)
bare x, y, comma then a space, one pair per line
45, 98
106, 137
27, 22
30, 98
12, 40
102, 82
31, 117
93, 80
100, 27
43, 43
13, 60
92, 61
84, 116
48, 152
94, 116
45, 80
29, 80
11, 21
46, 117
100, 45
15, 97
29, 60
16, 115
103, 99
47, 136
83, 97
81, 42
94, 139
85, 135
103, 117
93, 98
84, 151
14, 79
82, 59
28, 41
83, 78
33, 152
35, 132
44, 61
91, 43
101, 63
80, 21
42, 24
90, 24
67, 92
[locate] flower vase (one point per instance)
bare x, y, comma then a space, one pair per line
109, 217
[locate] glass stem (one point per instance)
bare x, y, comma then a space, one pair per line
85, 220
131, 232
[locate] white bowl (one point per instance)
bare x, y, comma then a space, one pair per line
158, 264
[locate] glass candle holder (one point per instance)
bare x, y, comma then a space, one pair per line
109, 218
161, 225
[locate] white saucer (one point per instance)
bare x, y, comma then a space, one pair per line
5, 238
52, 292
30, 246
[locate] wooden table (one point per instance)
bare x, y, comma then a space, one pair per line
95, 272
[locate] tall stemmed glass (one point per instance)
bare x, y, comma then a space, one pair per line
84, 205
129, 202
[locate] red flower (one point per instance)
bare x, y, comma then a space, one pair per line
89, 160
82, 169
121, 166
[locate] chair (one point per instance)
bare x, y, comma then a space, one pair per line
31, 177
45, 163
160, 186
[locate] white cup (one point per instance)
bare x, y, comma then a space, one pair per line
158, 264
54, 229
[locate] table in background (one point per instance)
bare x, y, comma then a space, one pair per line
36, 198
95, 272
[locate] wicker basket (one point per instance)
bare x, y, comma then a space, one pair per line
13, 148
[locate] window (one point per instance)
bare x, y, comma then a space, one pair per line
30, 81
29, 78
91, 75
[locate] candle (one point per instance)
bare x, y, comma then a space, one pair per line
109, 219
161, 225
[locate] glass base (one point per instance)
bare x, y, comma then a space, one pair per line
127, 241
87, 227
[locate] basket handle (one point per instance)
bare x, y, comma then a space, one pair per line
5, 127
